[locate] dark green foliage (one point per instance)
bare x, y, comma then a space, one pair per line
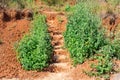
34, 50
116, 46
83, 37
105, 63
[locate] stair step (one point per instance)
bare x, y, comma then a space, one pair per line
50, 22
60, 51
61, 58
59, 40
58, 43
52, 29
61, 66
58, 46
55, 33
57, 36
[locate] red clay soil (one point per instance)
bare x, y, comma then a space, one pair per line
9, 65
12, 31
78, 72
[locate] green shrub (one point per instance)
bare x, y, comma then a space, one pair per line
83, 36
34, 50
85, 39
105, 64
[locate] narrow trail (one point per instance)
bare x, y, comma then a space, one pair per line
61, 59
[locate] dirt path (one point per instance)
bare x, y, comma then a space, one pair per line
61, 59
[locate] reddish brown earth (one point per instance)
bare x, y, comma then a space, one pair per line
12, 31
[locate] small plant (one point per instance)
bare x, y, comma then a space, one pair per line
34, 50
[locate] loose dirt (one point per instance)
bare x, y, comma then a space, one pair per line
10, 33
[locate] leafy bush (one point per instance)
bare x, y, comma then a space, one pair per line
34, 50
105, 64
85, 39
83, 36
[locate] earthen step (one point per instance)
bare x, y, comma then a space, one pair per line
52, 25
53, 33
60, 51
61, 58
58, 46
57, 33
50, 22
58, 43
57, 36
61, 66
52, 29
55, 30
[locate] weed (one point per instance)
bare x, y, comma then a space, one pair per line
34, 50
